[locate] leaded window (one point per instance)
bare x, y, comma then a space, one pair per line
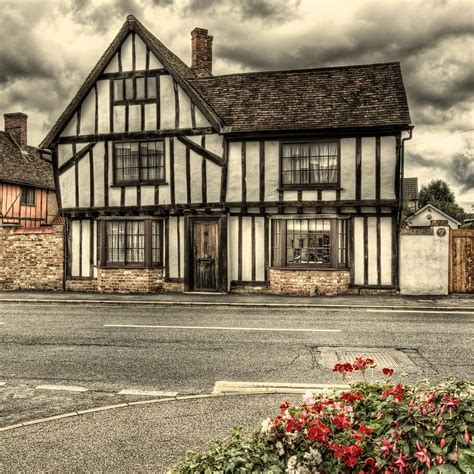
312, 243
310, 163
132, 242
135, 89
139, 162
27, 197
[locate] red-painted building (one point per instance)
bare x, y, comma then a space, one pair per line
27, 191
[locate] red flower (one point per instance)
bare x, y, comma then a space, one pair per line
351, 397
388, 372
342, 368
450, 403
397, 392
284, 406
387, 447
341, 421
361, 364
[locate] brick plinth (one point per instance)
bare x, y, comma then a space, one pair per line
31, 259
299, 282
129, 280
86, 285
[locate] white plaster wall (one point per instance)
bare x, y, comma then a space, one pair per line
150, 116
388, 160
246, 248
234, 177
134, 118
71, 128
424, 263
64, 153
88, 114
386, 250
103, 91
148, 195
127, 53
253, 170
167, 104
113, 65
358, 250
213, 173
99, 151
84, 181
272, 169
290, 195
260, 248
86, 229
75, 248
164, 192
184, 109
94, 230
181, 244
130, 196
310, 196
368, 168
173, 247
119, 118
114, 192
201, 121
140, 53
214, 143
67, 184
180, 172
196, 177
372, 250
154, 62
233, 249
348, 168
329, 195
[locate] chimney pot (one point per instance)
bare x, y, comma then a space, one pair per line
16, 126
201, 49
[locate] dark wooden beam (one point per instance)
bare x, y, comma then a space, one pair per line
200, 150
75, 158
358, 168
147, 135
138, 73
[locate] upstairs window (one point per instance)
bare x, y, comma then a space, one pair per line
309, 243
27, 197
135, 90
139, 162
310, 164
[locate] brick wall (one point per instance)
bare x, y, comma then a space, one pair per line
298, 282
31, 259
129, 280
172, 287
87, 285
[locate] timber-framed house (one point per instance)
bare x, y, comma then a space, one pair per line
172, 179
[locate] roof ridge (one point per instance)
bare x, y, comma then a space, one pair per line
308, 70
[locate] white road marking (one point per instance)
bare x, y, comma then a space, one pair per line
2, 384
66, 388
437, 311
1, 322
220, 328
147, 393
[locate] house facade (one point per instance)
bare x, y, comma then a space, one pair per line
27, 194
171, 179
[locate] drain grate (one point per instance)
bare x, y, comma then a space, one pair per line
383, 357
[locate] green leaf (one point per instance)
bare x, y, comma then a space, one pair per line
444, 469
465, 466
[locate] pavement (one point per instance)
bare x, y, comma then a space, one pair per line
150, 437
453, 302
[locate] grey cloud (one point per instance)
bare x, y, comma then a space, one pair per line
460, 167
265, 10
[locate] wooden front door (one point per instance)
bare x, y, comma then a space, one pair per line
461, 265
205, 255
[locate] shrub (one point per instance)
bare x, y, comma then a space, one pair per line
373, 427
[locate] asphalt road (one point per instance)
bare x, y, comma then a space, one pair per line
106, 349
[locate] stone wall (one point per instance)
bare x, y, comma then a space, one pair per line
31, 258
299, 282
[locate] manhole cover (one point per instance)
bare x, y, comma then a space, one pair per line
392, 358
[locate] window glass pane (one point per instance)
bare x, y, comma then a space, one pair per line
118, 89
152, 161
27, 197
156, 227
308, 242
151, 87
310, 163
115, 241
129, 88
140, 84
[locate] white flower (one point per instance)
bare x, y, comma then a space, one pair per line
266, 426
292, 463
309, 399
281, 449
313, 456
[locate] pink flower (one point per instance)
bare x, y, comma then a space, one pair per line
400, 463
386, 447
422, 455
309, 399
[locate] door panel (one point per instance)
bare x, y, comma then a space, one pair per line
205, 255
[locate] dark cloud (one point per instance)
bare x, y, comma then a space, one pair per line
460, 167
265, 10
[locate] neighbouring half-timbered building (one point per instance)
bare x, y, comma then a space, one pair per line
172, 179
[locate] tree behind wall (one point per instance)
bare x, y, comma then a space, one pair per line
439, 194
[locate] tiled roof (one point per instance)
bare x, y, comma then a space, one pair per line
410, 188
24, 165
334, 97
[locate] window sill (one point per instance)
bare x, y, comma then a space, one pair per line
310, 187
130, 267
138, 183
310, 269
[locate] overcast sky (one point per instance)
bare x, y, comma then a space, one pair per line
47, 47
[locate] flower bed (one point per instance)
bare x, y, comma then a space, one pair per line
373, 427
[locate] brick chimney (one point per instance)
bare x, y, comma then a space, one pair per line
201, 52
16, 126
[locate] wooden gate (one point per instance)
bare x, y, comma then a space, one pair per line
461, 264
